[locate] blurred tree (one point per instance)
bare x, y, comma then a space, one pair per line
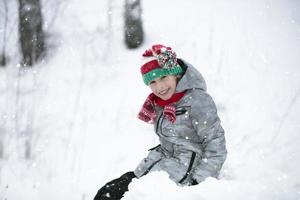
31, 31
134, 34
5, 18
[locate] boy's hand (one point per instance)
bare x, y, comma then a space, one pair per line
115, 189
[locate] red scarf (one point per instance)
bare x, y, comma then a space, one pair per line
148, 114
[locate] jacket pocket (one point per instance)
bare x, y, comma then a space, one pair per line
182, 110
154, 147
150, 167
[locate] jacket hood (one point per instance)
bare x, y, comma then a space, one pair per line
191, 78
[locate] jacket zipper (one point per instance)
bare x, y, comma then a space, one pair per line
161, 124
189, 168
158, 121
151, 166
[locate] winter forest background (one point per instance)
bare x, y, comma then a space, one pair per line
68, 103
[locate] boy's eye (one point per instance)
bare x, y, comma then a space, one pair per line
151, 82
163, 77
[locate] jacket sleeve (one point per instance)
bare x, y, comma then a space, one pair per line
154, 156
207, 124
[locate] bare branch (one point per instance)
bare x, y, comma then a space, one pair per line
287, 112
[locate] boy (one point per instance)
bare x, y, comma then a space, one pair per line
192, 143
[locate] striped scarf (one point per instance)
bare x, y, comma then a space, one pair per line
148, 114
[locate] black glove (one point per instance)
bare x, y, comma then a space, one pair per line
115, 189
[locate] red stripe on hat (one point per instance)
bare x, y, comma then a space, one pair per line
149, 66
148, 53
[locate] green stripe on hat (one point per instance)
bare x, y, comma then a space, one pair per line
159, 72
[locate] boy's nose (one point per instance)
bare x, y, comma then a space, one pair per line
160, 87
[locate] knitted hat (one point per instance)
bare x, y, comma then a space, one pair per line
159, 61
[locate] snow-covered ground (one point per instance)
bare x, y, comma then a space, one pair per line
78, 107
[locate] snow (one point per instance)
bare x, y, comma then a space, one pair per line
78, 107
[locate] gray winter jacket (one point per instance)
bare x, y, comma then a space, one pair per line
194, 147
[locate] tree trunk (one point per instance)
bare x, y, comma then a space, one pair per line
31, 31
134, 34
3, 54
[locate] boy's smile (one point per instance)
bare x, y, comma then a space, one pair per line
164, 87
163, 92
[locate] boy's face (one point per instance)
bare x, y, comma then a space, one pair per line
164, 87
